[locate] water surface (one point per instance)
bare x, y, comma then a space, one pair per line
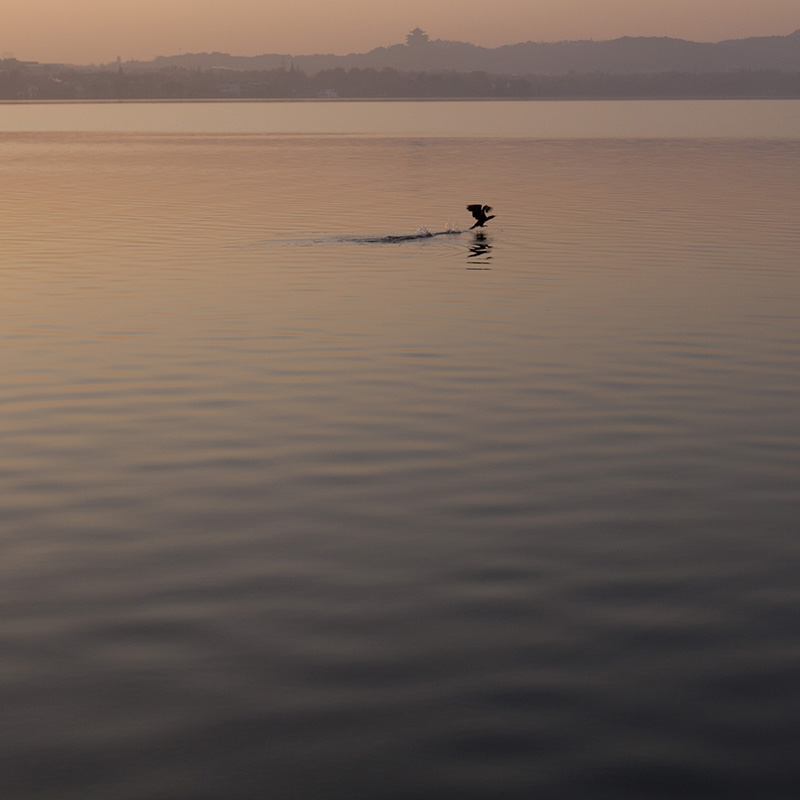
507, 119
291, 511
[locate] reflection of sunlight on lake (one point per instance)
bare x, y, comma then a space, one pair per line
295, 497
510, 119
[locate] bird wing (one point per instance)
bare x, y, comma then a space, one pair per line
475, 210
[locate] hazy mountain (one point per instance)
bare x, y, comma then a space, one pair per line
627, 55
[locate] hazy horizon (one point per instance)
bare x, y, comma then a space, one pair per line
96, 31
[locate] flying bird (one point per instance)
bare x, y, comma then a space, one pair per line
480, 213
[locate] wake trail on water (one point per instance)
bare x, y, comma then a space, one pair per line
421, 233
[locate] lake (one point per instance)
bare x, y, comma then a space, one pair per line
310, 491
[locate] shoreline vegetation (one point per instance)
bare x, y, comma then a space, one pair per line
20, 82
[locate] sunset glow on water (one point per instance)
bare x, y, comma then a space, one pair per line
300, 504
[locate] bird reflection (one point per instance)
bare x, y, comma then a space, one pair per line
480, 252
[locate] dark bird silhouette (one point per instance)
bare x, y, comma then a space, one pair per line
480, 213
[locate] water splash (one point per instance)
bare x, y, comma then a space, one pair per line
451, 228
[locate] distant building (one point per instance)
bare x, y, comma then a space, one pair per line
416, 38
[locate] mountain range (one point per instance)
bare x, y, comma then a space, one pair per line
624, 56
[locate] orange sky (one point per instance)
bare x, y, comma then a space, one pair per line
90, 31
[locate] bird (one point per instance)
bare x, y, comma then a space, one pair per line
480, 213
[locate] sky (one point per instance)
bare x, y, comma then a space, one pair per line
97, 31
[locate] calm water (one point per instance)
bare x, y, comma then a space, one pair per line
293, 510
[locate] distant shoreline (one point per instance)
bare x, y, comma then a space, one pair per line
628, 68
339, 100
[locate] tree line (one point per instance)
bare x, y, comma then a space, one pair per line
23, 82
